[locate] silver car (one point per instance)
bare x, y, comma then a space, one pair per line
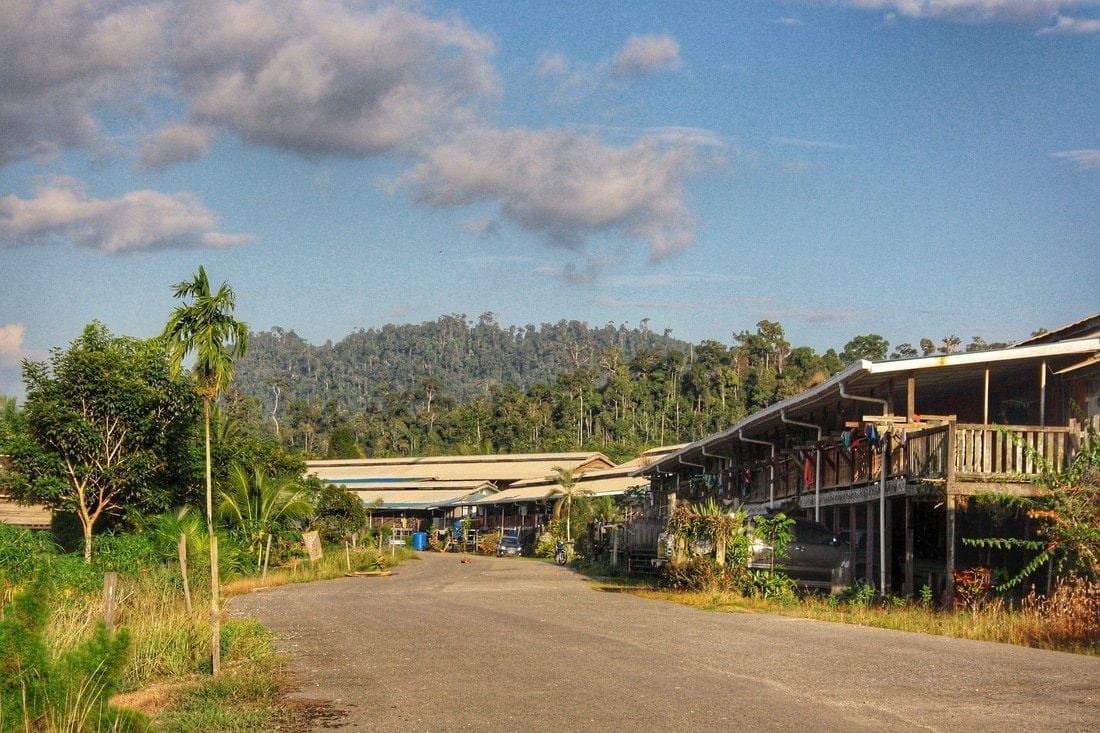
815, 558
509, 546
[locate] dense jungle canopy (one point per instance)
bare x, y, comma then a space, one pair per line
460, 386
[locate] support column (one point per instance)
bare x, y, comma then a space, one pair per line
909, 590
949, 544
871, 544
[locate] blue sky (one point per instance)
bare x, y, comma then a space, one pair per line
912, 168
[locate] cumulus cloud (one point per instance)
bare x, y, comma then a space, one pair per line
644, 55
1067, 26
564, 185
174, 144
318, 78
1087, 159
483, 228
970, 10
139, 220
57, 59
11, 343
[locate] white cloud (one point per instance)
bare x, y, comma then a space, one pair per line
970, 10
644, 55
58, 58
1086, 159
483, 228
11, 343
1067, 26
139, 220
566, 186
798, 142
318, 78
553, 64
174, 144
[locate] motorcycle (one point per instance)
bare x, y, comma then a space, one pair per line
559, 553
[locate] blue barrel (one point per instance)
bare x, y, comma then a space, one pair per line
420, 540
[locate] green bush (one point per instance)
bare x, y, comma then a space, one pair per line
69, 693
775, 586
697, 574
126, 553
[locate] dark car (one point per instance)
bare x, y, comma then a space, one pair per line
509, 546
815, 558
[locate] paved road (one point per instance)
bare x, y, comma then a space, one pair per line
507, 644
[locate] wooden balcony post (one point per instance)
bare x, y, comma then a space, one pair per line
949, 487
949, 591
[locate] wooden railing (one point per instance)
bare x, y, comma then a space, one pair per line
1007, 453
987, 451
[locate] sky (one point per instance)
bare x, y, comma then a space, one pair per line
909, 168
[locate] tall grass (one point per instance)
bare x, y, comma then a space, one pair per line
1069, 620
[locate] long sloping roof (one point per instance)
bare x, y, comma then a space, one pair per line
865, 377
496, 468
417, 498
608, 486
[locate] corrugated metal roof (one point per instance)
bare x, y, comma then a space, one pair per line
416, 498
606, 486
401, 485
499, 469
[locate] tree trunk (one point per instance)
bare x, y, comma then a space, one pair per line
86, 525
215, 615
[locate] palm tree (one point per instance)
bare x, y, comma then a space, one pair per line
566, 488
204, 325
257, 504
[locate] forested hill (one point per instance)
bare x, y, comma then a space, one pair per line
453, 355
453, 386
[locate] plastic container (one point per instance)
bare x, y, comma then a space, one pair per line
420, 540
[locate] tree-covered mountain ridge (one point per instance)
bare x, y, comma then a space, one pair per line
463, 358
454, 385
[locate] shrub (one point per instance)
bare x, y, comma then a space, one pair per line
488, 543
69, 693
971, 587
126, 553
775, 586
1069, 617
859, 594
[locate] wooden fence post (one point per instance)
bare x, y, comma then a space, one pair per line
110, 600
181, 548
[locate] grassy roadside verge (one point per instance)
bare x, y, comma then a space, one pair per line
1069, 621
166, 672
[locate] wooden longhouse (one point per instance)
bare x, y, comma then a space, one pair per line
888, 453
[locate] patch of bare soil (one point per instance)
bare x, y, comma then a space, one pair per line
154, 698
311, 715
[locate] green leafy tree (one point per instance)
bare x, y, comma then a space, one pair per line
104, 430
256, 505
871, 347
337, 513
204, 326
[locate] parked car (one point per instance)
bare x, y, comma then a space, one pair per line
815, 558
509, 545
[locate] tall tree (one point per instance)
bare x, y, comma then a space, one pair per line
204, 325
567, 489
871, 347
105, 428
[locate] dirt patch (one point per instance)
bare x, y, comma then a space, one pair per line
154, 698
312, 715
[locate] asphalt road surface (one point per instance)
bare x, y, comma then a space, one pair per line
511, 644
